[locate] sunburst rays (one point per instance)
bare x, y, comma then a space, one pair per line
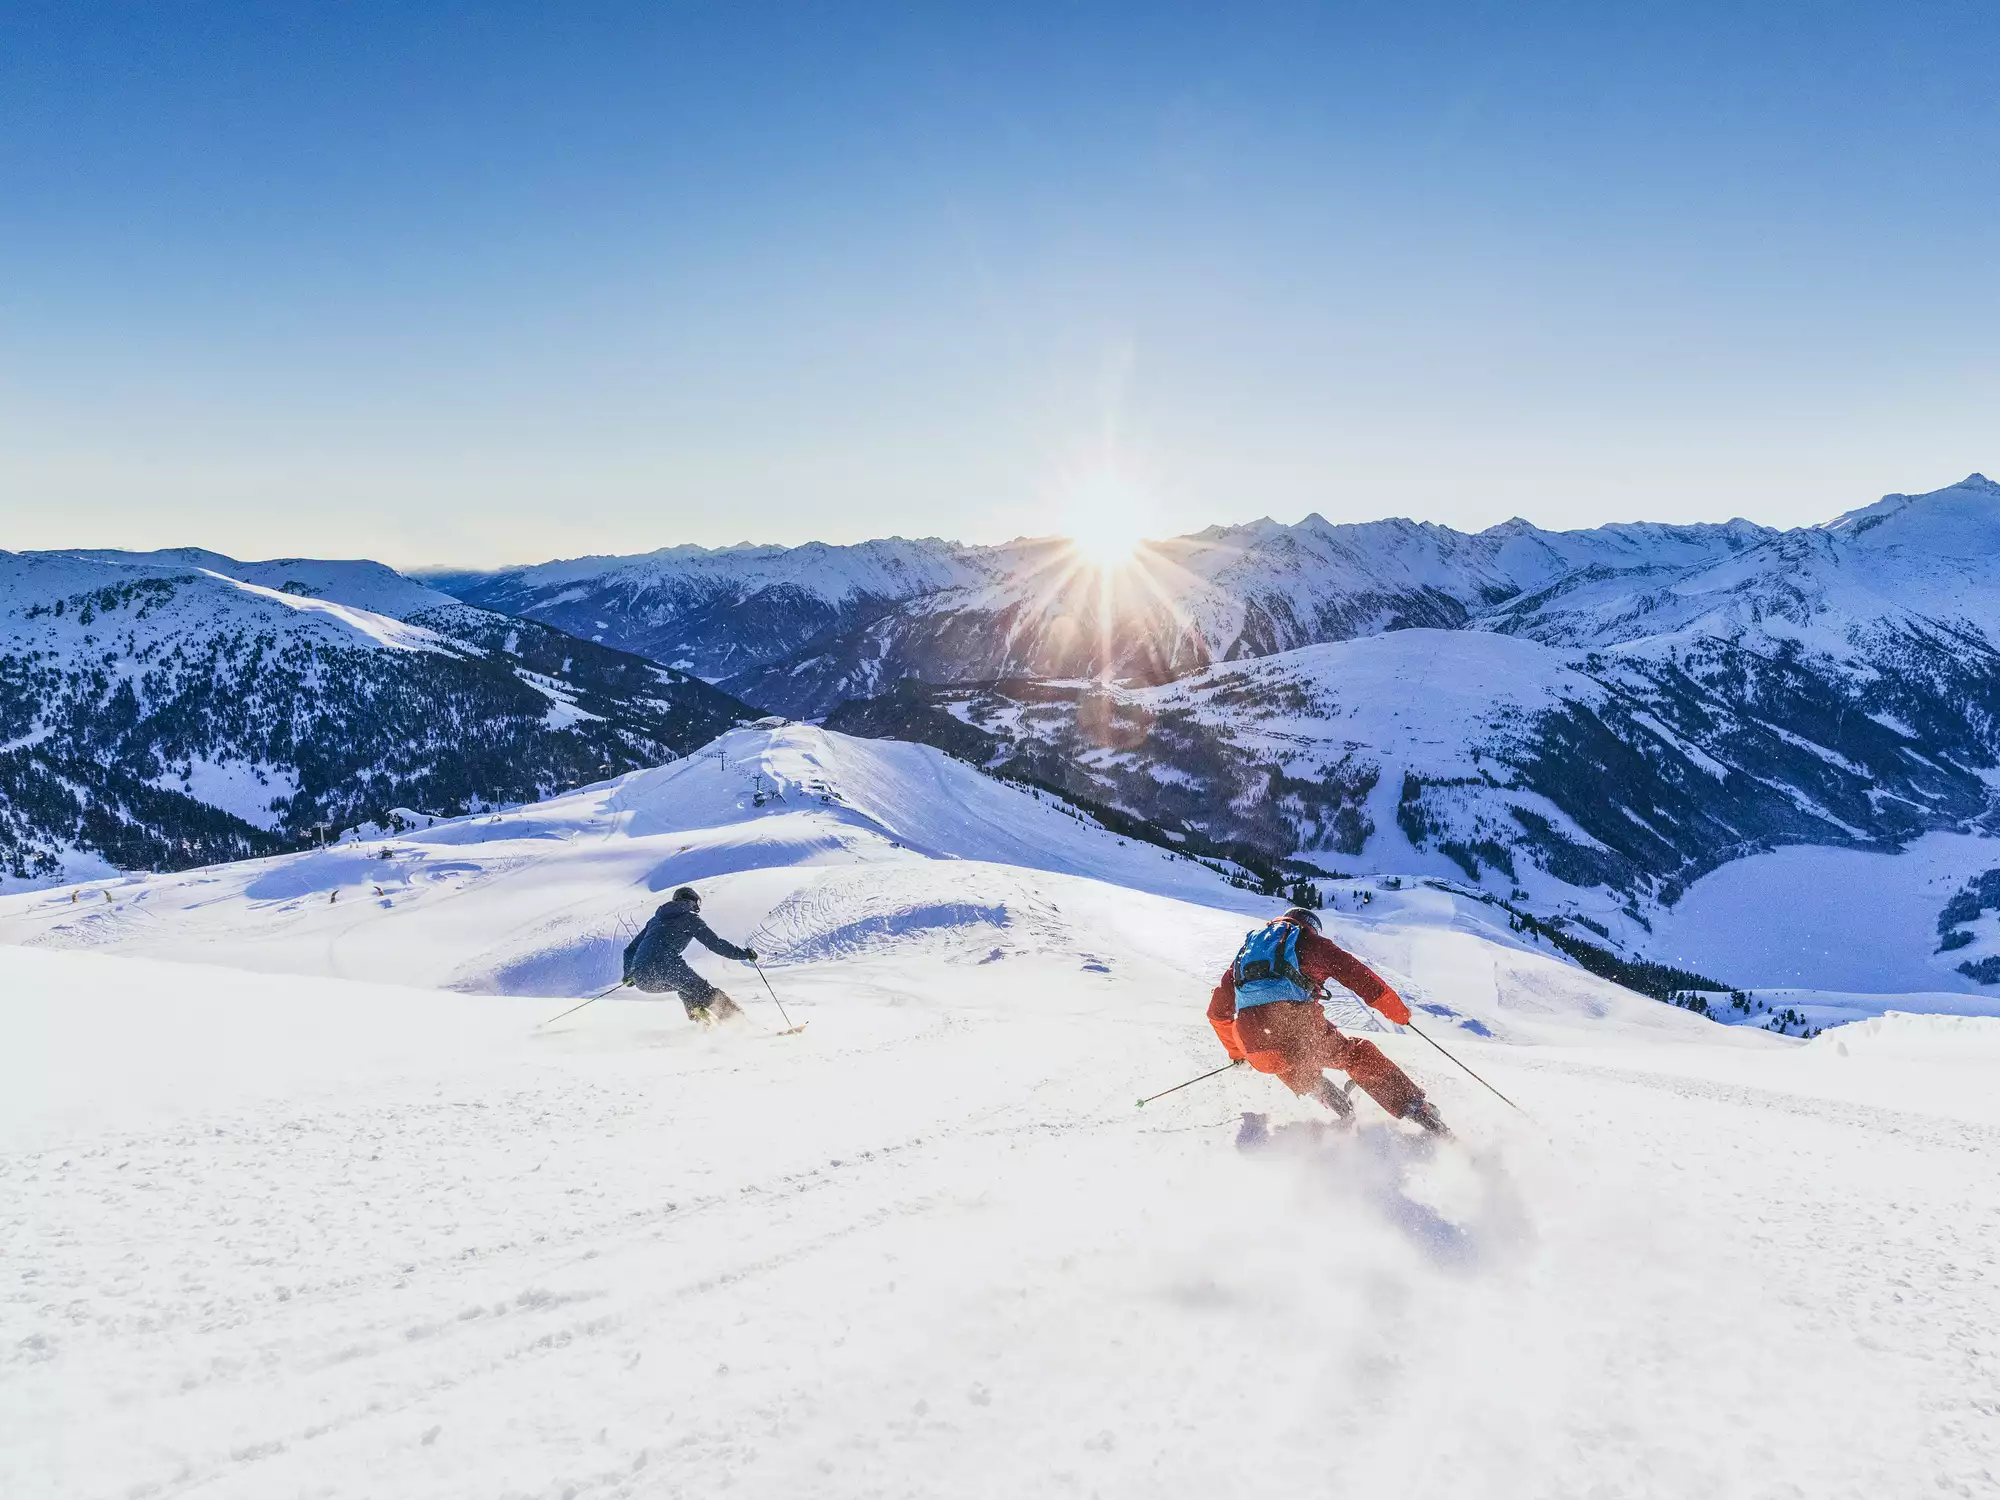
1136, 607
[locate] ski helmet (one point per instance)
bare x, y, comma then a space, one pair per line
687, 893
1300, 914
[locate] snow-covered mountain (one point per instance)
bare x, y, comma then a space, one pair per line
718, 612
1219, 595
325, 1229
1910, 564
1588, 749
1586, 724
170, 709
799, 630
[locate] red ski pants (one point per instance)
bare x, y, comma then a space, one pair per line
1294, 1041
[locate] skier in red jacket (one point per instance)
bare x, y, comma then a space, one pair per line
1266, 1009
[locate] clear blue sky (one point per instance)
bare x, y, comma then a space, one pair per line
477, 284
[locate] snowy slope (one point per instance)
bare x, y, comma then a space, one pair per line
540, 899
1842, 919
279, 1233
1675, 699
817, 846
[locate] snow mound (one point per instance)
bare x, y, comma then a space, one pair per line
1930, 1037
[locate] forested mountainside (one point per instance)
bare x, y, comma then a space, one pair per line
174, 709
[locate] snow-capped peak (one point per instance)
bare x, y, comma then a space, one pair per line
1972, 497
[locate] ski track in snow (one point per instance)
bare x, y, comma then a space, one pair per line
636, 1261
276, 1235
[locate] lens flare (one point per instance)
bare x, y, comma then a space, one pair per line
1104, 519
1105, 545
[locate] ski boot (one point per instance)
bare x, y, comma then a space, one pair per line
714, 1011
1425, 1114
1334, 1097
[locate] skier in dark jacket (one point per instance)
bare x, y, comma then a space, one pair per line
653, 959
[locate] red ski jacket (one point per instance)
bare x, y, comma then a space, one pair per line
1320, 960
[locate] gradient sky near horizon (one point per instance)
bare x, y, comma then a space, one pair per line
487, 284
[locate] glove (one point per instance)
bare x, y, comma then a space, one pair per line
1391, 1005
752, 953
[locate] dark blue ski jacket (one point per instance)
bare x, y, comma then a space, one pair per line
653, 958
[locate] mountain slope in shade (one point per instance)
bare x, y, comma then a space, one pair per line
172, 709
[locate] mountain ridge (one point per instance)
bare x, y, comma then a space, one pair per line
156, 711
799, 629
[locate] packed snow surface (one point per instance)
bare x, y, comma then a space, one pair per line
332, 1230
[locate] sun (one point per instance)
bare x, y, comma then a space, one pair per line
1106, 543
1104, 516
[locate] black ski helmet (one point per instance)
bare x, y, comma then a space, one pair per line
687, 893
1300, 914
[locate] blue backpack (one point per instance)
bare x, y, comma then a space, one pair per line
1267, 967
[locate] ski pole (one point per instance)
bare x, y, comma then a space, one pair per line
575, 1008
1475, 1077
771, 992
1191, 1082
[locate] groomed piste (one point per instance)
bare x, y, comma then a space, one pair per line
299, 1195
